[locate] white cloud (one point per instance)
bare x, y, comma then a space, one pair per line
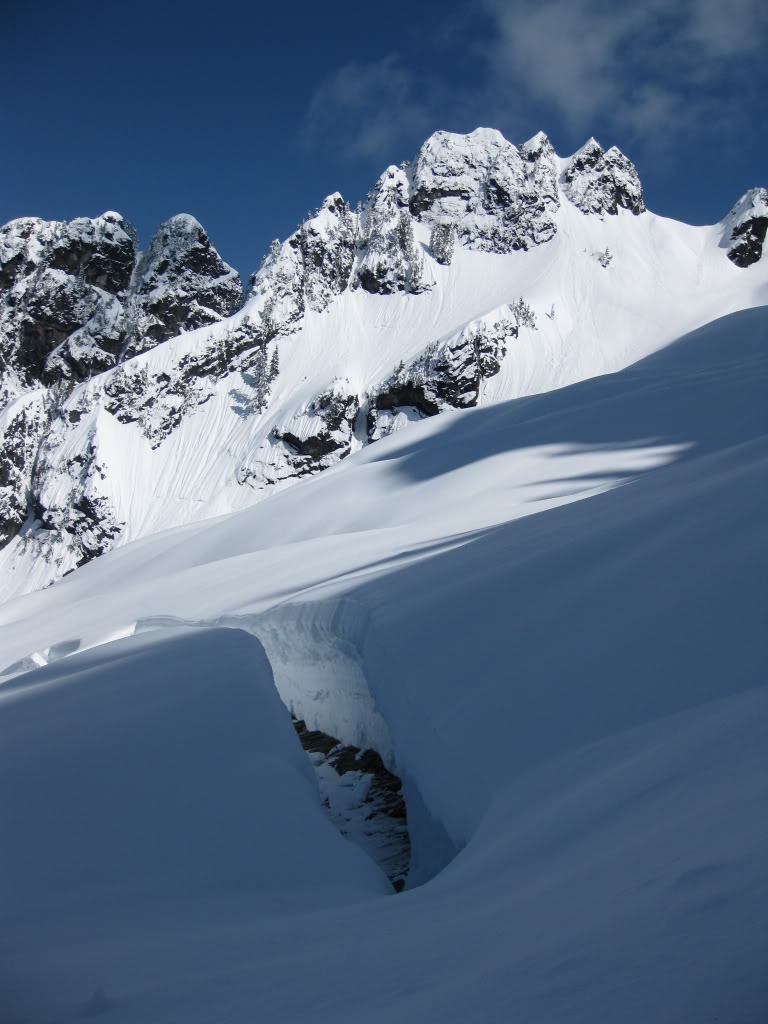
654, 70
369, 109
640, 66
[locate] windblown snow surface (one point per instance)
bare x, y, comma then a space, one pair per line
547, 614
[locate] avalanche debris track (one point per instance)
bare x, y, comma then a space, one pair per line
362, 798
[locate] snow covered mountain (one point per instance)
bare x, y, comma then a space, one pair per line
140, 393
472, 483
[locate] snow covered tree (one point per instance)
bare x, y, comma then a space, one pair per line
268, 318
57, 394
430, 355
404, 233
441, 241
222, 349
274, 250
523, 315
604, 258
406, 243
261, 381
274, 365
373, 238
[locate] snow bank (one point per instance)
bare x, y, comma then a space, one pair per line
155, 784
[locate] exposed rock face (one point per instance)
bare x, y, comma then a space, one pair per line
363, 799
21, 426
499, 198
180, 283
325, 429
88, 526
158, 403
746, 228
448, 375
313, 440
61, 291
72, 297
602, 181
76, 520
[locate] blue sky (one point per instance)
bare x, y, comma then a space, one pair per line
247, 115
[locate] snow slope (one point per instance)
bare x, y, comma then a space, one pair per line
549, 615
154, 787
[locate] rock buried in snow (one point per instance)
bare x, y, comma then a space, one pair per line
363, 799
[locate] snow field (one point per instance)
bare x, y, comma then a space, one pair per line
555, 607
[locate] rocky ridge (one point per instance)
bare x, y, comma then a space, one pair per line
76, 297
82, 311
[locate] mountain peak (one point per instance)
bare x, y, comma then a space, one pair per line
333, 201
499, 198
182, 223
180, 283
536, 145
599, 181
591, 149
488, 135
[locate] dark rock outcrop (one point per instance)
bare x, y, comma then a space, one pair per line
21, 427
65, 511
447, 376
321, 435
379, 822
62, 286
73, 297
746, 228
